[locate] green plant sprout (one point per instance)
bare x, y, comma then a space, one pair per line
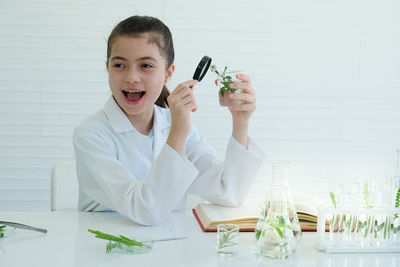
119, 240
366, 195
226, 237
2, 230
333, 199
277, 238
397, 205
277, 223
226, 80
334, 222
397, 202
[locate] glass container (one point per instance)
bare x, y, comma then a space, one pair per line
224, 89
227, 239
280, 174
277, 238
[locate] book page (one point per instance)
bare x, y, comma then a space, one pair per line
306, 208
307, 204
223, 213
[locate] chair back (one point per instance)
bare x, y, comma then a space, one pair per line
64, 186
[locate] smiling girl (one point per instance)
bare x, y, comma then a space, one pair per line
140, 155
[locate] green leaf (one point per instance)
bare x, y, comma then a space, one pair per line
281, 221
279, 232
379, 227
120, 239
258, 233
366, 195
333, 199
222, 92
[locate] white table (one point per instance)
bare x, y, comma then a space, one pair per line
68, 243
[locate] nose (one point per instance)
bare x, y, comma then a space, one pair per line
132, 76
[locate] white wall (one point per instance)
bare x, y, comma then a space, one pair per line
326, 75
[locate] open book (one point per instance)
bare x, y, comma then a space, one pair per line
209, 216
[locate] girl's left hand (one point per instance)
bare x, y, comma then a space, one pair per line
241, 113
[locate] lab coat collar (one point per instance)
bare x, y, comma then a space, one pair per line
160, 121
120, 122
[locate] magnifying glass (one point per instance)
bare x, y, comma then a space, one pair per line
202, 68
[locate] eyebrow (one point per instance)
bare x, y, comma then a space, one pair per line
120, 58
139, 59
147, 58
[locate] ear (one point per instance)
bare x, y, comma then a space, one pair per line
107, 65
169, 73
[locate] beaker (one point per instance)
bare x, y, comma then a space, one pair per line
277, 239
279, 178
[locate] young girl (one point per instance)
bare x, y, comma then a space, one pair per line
138, 157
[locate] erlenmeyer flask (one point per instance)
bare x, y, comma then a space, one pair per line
280, 171
277, 239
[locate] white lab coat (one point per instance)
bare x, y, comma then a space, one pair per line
118, 169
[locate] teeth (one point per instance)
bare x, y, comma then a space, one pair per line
133, 91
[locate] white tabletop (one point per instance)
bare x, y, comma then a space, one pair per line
68, 243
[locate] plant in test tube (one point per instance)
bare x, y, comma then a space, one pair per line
367, 226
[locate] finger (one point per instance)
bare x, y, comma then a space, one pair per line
216, 82
243, 77
192, 106
183, 92
245, 97
187, 99
187, 84
243, 107
244, 86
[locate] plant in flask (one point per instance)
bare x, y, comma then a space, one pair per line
279, 178
261, 220
227, 238
224, 80
277, 239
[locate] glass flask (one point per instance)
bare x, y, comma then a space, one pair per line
224, 89
280, 170
277, 238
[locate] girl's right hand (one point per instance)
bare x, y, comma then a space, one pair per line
181, 102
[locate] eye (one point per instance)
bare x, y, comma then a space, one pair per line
147, 66
118, 66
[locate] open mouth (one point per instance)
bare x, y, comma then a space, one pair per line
134, 95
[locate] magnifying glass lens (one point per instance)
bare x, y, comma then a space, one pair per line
202, 68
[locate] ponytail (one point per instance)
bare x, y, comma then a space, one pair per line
162, 99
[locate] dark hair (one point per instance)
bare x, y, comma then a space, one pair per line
156, 32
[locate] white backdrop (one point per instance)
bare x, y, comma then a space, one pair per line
326, 75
